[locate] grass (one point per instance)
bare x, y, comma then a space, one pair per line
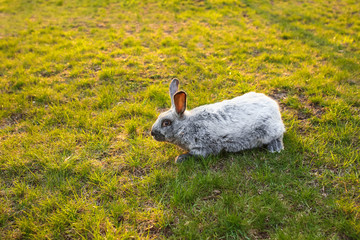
81, 83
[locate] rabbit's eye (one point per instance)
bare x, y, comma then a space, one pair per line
166, 123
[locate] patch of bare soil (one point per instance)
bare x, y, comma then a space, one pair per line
256, 234
309, 108
314, 109
13, 119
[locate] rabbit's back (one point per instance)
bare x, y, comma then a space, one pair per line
239, 109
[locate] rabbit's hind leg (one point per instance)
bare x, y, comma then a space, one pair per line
276, 145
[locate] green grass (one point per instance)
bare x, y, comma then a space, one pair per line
81, 83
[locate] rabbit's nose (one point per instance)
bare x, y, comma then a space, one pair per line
152, 133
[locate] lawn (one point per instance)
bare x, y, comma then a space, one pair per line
82, 81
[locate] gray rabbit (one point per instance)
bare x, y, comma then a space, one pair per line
248, 121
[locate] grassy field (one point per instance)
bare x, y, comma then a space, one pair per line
82, 81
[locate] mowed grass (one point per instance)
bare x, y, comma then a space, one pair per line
82, 81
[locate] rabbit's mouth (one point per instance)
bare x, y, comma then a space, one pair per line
158, 136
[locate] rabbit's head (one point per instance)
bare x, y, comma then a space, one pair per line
168, 123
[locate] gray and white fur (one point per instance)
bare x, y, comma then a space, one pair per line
248, 121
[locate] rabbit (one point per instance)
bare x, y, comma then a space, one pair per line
244, 122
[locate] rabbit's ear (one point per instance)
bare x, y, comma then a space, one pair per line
174, 86
180, 102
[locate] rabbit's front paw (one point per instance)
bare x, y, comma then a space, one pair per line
183, 157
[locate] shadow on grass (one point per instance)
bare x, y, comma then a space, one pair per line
252, 194
343, 57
